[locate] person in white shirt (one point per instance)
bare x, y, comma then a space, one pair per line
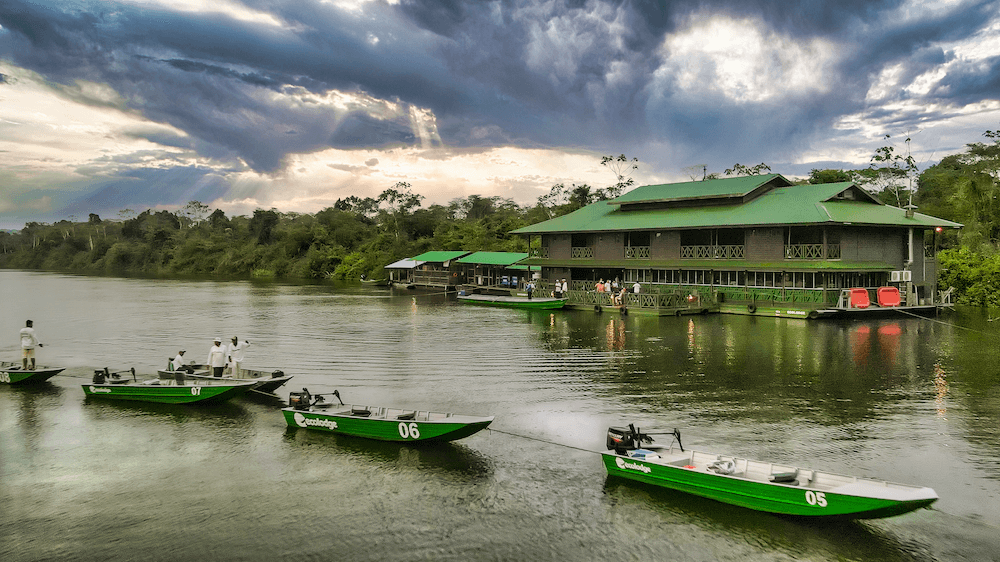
28, 343
217, 358
236, 355
565, 287
636, 287
178, 363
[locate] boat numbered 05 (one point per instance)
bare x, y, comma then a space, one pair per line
312, 411
763, 486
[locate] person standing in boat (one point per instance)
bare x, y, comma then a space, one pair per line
236, 355
217, 358
28, 342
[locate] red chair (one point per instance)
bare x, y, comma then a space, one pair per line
859, 298
888, 296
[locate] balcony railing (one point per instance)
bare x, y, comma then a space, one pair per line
542, 252
581, 252
730, 252
637, 252
812, 252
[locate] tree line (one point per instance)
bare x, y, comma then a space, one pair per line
359, 236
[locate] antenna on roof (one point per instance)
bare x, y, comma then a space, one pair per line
691, 171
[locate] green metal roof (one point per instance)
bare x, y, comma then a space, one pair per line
783, 205
493, 258
693, 190
439, 256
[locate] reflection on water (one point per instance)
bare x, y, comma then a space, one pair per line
795, 538
445, 457
908, 400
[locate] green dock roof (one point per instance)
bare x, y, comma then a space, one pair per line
769, 200
493, 258
439, 256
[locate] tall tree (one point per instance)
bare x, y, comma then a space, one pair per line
396, 202
890, 174
622, 167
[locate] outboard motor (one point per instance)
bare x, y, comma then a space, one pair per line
624, 440
98, 376
277, 374
300, 400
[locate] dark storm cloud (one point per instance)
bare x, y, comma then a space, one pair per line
570, 73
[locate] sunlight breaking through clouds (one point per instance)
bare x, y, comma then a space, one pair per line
743, 60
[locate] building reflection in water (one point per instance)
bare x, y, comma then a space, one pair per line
941, 392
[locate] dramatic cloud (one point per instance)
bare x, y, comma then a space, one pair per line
253, 102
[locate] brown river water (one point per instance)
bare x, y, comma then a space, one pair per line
902, 399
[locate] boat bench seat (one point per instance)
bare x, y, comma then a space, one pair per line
679, 459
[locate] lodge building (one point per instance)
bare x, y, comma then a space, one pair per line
750, 245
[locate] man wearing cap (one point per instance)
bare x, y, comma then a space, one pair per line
179, 361
217, 358
236, 355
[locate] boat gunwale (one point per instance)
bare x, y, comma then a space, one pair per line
875, 483
346, 411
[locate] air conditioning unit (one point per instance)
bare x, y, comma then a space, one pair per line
900, 276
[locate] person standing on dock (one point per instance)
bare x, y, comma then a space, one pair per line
217, 358
636, 287
28, 343
236, 355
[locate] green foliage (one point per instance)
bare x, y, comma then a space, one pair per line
831, 176
741, 170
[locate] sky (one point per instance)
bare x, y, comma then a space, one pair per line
292, 105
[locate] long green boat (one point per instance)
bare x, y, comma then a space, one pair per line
177, 389
13, 373
506, 301
762, 486
310, 411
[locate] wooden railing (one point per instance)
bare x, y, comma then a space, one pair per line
637, 252
727, 252
812, 252
581, 252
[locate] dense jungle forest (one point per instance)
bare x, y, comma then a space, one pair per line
359, 236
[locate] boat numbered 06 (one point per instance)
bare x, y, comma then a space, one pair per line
763, 486
409, 430
314, 412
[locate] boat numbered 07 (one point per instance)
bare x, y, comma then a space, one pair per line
313, 411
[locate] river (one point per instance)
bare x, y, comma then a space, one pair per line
903, 399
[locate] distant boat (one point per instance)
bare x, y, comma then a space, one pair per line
763, 486
311, 411
178, 389
13, 373
375, 282
506, 301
